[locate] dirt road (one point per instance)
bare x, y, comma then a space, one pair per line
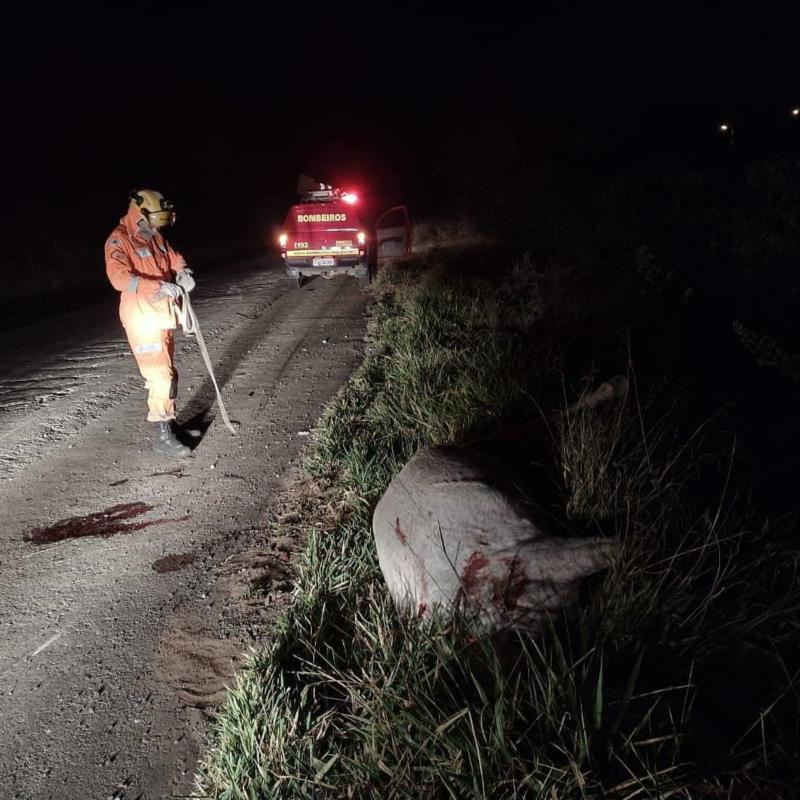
111, 629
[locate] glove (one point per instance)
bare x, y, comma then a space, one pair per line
168, 290
184, 279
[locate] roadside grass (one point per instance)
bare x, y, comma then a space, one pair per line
59, 264
677, 677
50, 265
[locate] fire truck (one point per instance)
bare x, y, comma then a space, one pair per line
323, 235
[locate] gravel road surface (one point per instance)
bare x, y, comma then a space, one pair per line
115, 562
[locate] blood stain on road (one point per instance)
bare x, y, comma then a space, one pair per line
102, 523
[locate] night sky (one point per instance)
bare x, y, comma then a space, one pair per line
221, 106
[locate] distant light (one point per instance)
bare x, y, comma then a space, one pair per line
350, 198
282, 239
796, 112
724, 128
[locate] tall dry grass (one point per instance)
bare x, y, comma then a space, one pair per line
647, 692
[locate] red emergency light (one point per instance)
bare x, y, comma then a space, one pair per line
351, 198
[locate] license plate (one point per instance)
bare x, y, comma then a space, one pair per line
324, 262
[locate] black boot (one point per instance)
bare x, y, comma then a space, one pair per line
166, 442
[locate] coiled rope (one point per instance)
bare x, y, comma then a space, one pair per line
190, 326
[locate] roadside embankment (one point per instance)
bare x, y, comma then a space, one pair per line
622, 697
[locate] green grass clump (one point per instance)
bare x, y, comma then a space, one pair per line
449, 360
348, 698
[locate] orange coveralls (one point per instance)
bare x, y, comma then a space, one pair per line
136, 266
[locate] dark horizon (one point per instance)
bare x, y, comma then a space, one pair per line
225, 108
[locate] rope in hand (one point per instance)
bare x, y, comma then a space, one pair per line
190, 325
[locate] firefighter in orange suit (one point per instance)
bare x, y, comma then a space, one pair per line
148, 273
